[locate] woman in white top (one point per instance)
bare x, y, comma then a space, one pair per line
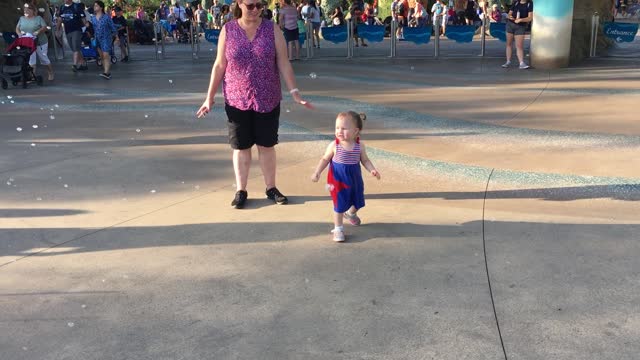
313, 14
33, 24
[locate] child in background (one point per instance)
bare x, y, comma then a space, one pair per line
344, 156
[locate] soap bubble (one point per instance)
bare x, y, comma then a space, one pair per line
153, 191
19, 129
34, 126
170, 81
70, 324
33, 144
138, 130
313, 75
52, 117
146, 116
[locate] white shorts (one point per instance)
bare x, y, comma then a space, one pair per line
41, 51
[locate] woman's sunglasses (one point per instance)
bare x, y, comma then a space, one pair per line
254, 6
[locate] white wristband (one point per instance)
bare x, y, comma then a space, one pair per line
293, 91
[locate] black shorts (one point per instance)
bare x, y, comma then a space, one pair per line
291, 35
516, 29
248, 127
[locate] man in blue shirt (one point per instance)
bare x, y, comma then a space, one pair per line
72, 16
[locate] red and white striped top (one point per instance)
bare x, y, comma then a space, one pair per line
347, 157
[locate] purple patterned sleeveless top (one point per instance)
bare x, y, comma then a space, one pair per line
252, 79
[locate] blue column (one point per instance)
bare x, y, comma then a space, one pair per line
551, 33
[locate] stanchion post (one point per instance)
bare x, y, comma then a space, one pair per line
55, 44
198, 42
349, 40
595, 22
392, 35
156, 26
483, 41
193, 45
162, 32
307, 38
436, 45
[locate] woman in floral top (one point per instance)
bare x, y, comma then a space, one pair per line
104, 29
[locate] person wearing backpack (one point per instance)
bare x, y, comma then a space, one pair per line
72, 16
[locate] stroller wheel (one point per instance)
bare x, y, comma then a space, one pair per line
99, 62
114, 59
39, 80
5, 84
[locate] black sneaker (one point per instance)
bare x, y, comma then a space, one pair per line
83, 68
106, 76
275, 195
240, 199
74, 68
125, 59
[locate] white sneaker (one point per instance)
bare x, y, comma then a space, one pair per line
507, 64
338, 235
523, 66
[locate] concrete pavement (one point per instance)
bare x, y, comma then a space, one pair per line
505, 222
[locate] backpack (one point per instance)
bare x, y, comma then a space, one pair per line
401, 9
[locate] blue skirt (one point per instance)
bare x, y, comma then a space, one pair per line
346, 186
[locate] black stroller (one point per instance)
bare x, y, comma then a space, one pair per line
143, 31
16, 66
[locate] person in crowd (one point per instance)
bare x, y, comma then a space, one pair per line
161, 13
33, 25
202, 18
289, 24
173, 24
313, 15
225, 14
344, 156
73, 18
215, 11
438, 11
496, 15
420, 14
251, 57
470, 12
140, 14
369, 12
121, 24
104, 30
276, 13
337, 18
266, 12
356, 12
403, 17
518, 19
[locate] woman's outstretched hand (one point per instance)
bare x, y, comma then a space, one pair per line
301, 101
205, 108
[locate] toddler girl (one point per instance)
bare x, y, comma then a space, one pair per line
344, 156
